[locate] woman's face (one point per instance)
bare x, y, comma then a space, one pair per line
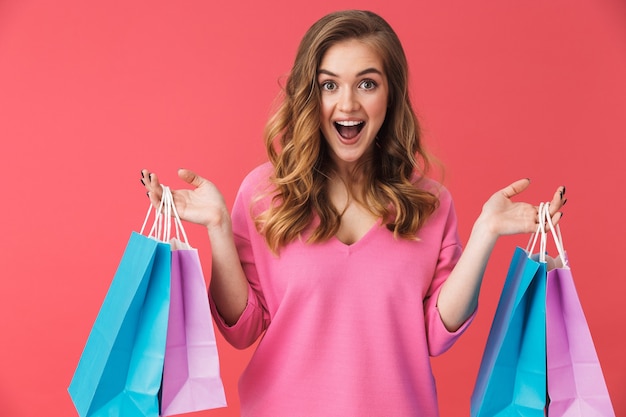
354, 94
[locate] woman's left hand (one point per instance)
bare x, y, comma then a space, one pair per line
503, 216
500, 216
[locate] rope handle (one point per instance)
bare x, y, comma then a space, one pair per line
556, 235
539, 232
544, 219
165, 214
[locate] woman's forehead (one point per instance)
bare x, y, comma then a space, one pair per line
353, 54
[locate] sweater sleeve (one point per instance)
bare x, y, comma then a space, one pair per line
440, 339
255, 317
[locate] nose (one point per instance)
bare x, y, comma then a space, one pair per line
348, 101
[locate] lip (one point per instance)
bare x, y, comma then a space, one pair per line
349, 122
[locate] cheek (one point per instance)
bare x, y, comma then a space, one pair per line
379, 110
377, 107
325, 115
325, 110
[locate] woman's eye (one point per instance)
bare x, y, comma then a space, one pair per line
328, 86
368, 84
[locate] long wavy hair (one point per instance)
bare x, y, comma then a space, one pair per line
299, 153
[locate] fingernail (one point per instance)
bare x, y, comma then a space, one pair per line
148, 194
563, 189
142, 181
142, 173
565, 201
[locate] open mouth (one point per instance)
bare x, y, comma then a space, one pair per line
349, 129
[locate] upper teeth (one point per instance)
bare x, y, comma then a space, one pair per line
348, 123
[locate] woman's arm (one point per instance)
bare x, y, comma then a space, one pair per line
205, 205
500, 216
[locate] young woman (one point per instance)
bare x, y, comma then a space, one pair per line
340, 251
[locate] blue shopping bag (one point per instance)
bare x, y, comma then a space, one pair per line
512, 376
120, 369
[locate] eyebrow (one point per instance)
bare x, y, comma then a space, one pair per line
360, 73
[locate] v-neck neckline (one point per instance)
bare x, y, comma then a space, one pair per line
361, 241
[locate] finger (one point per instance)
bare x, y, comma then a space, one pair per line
153, 187
191, 177
557, 200
153, 182
537, 214
557, 218
516, 188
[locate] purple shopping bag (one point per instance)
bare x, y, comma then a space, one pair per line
576, 386
191, 372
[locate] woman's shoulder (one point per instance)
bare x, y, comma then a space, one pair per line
444, 216
435, 187
258, 178
257, 188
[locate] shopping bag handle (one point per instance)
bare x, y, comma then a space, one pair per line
177, 222
539, 232
157, 218
164, 216
544, 219
556, 235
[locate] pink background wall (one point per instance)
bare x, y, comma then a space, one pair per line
91, 92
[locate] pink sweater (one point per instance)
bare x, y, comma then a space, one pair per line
347, 329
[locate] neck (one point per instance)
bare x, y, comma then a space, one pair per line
345, 186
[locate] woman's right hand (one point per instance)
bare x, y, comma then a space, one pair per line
202, 205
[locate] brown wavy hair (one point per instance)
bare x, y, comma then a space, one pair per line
299, 153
